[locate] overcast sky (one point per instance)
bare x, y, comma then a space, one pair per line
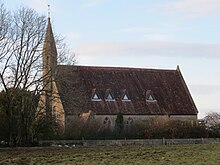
144, 33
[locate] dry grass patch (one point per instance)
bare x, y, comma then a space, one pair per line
158, 155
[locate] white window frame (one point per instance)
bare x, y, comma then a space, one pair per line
95, 99
127, 99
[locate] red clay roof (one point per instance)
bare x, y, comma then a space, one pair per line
77, 86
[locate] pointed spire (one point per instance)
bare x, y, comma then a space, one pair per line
49, 50
49, 67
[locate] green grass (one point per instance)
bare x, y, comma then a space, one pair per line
158, 155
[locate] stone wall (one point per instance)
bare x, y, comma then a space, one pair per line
92, 126
108, 121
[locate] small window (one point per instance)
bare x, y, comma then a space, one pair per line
129, 121
109, 96
150, 98
47, 61
107, 122
125, 96
95, 97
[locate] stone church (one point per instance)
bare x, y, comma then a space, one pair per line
100, 93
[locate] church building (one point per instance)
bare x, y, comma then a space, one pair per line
100, 93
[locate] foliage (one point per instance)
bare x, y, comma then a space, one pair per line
18, 110
212, 121
46, 128
154, 128
22, 35
119, 124
74, 129
22, 123
162, 127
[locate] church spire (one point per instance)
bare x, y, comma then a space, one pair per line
49, 67
51, 101
49, 51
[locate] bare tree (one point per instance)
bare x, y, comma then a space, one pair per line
212, 121
65, 56
21, 43
4, 31
22, 36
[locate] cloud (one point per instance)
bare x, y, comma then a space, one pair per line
163, 32
162, 28
90, 4
200, 89
156, 48
152, 34
194, 8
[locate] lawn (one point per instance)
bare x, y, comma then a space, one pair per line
195, 154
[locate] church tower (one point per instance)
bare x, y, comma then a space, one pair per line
51, 100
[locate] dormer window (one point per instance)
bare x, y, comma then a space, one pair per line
149, 97
109, 95
95, 96
109, 98
125, 96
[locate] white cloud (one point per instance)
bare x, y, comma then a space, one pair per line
194, 8
156, 48
201, 89
151, 34
163, 32
161, 28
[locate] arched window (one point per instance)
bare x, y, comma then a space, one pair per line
129, 121
107, 122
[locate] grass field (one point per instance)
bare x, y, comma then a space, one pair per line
158, 155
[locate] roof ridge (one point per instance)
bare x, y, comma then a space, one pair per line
116, 68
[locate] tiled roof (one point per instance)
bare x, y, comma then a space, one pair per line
169, 93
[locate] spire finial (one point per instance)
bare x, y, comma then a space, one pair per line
48, 11
178, 68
